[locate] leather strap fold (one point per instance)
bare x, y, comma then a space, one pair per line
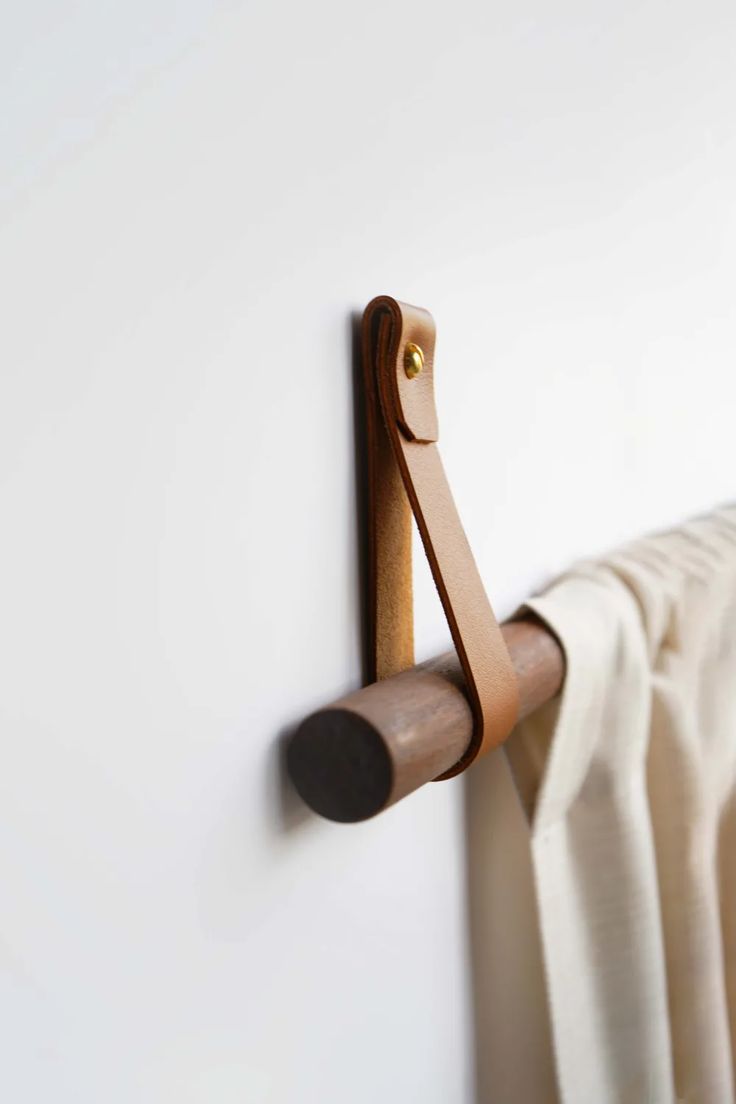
405, 474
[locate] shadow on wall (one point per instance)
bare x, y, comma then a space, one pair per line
360, 479
514, 1061
291, 811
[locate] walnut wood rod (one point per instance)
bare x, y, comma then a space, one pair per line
359, 755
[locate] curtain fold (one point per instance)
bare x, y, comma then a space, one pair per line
628, 783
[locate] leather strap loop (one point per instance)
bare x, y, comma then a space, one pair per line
405, 471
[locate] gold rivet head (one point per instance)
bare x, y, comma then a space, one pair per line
413, 360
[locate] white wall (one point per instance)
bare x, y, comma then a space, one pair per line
195, 198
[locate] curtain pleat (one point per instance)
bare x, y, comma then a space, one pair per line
628, 784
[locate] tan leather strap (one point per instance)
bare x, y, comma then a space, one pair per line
405, 469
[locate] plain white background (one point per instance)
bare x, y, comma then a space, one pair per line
196, 198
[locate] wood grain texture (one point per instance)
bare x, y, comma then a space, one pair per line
373, 747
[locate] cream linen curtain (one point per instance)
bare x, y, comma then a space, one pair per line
628, 782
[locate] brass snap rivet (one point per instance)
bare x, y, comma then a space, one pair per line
413, 360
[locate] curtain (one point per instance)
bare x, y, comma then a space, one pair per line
628, 785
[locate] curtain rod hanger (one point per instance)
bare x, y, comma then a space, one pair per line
369, 749
415, 724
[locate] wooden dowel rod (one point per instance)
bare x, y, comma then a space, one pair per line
371, 748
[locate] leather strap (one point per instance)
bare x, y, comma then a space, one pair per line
405, 471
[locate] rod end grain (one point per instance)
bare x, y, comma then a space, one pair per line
340, 765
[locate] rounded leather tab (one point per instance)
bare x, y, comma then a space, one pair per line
415, 406
411, 399
402, 427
